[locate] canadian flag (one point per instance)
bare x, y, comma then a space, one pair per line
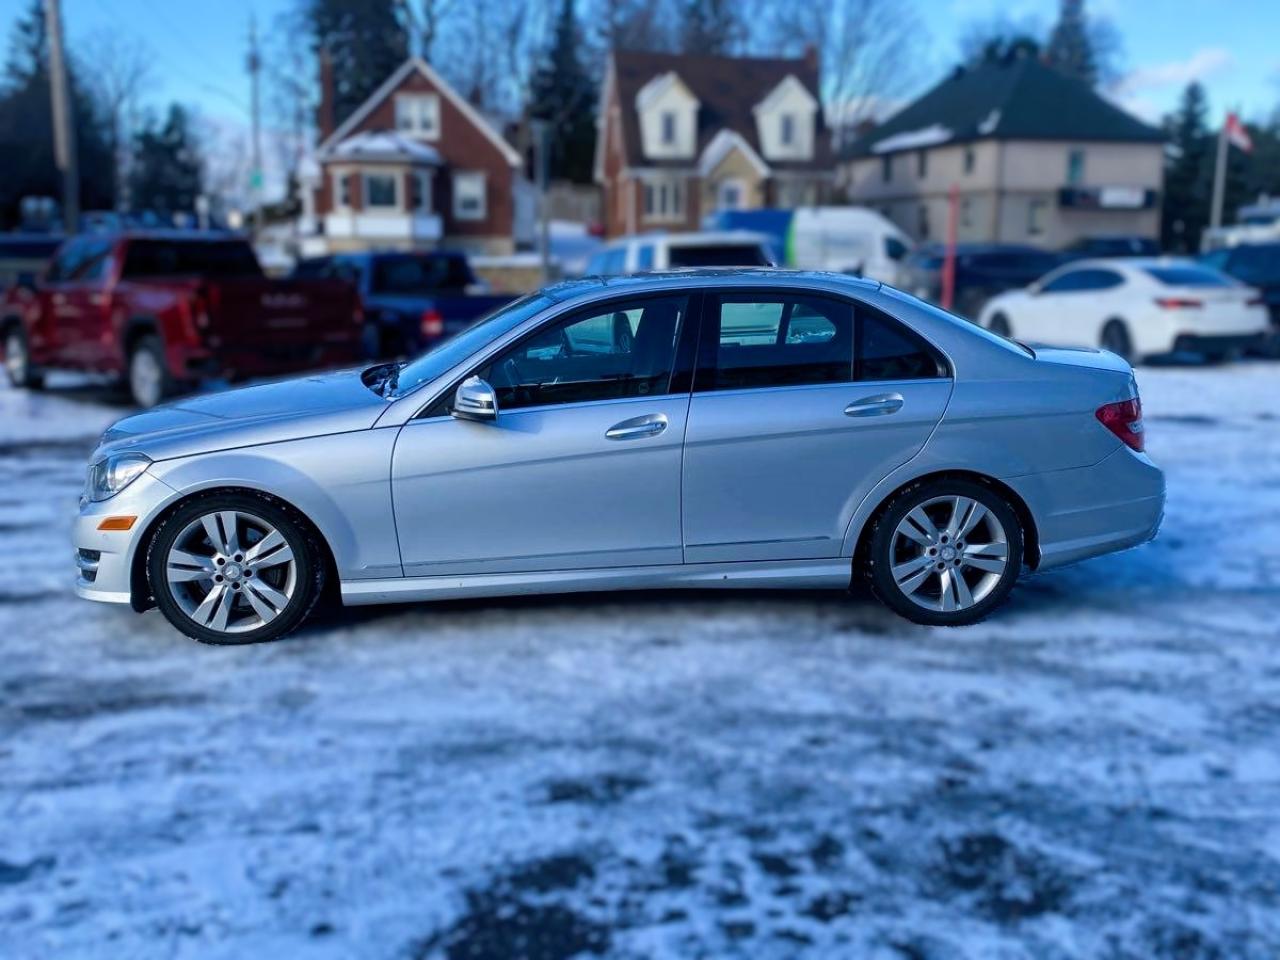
1236, 134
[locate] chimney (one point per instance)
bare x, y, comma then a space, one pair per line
811, 56
324, 112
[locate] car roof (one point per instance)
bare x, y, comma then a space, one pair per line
703, 277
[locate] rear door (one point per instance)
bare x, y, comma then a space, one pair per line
801, 405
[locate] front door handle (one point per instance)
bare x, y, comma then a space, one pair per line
877, 406
637, 428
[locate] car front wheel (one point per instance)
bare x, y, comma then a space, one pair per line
945, 552
234, 568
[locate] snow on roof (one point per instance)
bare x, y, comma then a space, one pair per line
929, 136
383, 145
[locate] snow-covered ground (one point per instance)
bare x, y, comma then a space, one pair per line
1095, 772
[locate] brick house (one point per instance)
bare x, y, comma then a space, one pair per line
682, 136
414, 166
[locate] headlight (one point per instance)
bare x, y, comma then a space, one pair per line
109, 476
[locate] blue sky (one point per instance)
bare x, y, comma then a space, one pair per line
199, 46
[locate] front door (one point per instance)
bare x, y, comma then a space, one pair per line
801, 405
581, 467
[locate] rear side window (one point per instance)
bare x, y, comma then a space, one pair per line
186, 258
1189, 277
768, 340
417, 275
1087, 279
717, 255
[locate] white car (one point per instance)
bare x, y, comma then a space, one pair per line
1136, 307
647, 252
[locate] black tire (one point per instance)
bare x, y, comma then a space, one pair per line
308, 556
17, 360
1115, 337
999, 325
880, 554
147, 377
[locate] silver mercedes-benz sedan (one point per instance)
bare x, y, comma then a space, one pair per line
749, 428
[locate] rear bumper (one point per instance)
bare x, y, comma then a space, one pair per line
1088, 511
1217, 343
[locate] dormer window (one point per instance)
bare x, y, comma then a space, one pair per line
668, 128
787, 134
418, 115
787, 121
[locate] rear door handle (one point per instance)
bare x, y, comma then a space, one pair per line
637, 428
877, 406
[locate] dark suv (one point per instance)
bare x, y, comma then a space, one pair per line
982, 271
1258, 265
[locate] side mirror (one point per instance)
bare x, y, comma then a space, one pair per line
475, 400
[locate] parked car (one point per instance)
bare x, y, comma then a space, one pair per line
1135, 308
1110, 245
23, 256
164, 310
708, 429
981, 272
1258, 265
411, 300
663, 251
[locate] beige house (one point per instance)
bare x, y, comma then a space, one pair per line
683, 136
1034, 156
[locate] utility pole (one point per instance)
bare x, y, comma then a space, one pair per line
64, 131
1219, 181
255, 175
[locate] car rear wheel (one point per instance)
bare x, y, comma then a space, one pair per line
149, 380
234, 568
17, 360
945, 552
1115, 337
999, 325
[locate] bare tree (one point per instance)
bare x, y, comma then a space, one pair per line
119, 67
291, 97
489, 48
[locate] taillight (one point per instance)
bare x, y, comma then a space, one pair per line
432, 323
1124, 419
1179, 303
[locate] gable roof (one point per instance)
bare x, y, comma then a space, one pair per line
1013, 99
727, 89
393, 82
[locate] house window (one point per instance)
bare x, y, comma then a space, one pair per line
886, 167
664, 200
788, 132
1036, 211
968, 159
469, 195
380, 191
418, 114
922, 164
922, 225
341, 191
1075, 167
668, 127
420, 181
966, 212
731, 195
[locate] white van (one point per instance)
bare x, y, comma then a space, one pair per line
663, 251
848, 240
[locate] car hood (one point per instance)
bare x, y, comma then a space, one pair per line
268, 413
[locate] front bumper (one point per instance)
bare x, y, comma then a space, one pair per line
104, 559
1088, 511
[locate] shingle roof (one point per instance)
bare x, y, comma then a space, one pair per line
1012, 99
727, 89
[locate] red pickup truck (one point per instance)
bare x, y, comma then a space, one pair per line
165, 310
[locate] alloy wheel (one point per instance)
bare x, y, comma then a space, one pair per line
15, 358
231, 572
146, 379
948, 553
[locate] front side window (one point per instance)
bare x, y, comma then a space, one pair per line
612, 352
380, 191
785, 340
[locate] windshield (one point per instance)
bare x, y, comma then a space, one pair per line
449, 354
410, 275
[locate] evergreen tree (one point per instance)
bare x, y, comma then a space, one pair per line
563, 95
710, 26
26, 127
1188, 173
1070, 48
167, 175
366, 41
